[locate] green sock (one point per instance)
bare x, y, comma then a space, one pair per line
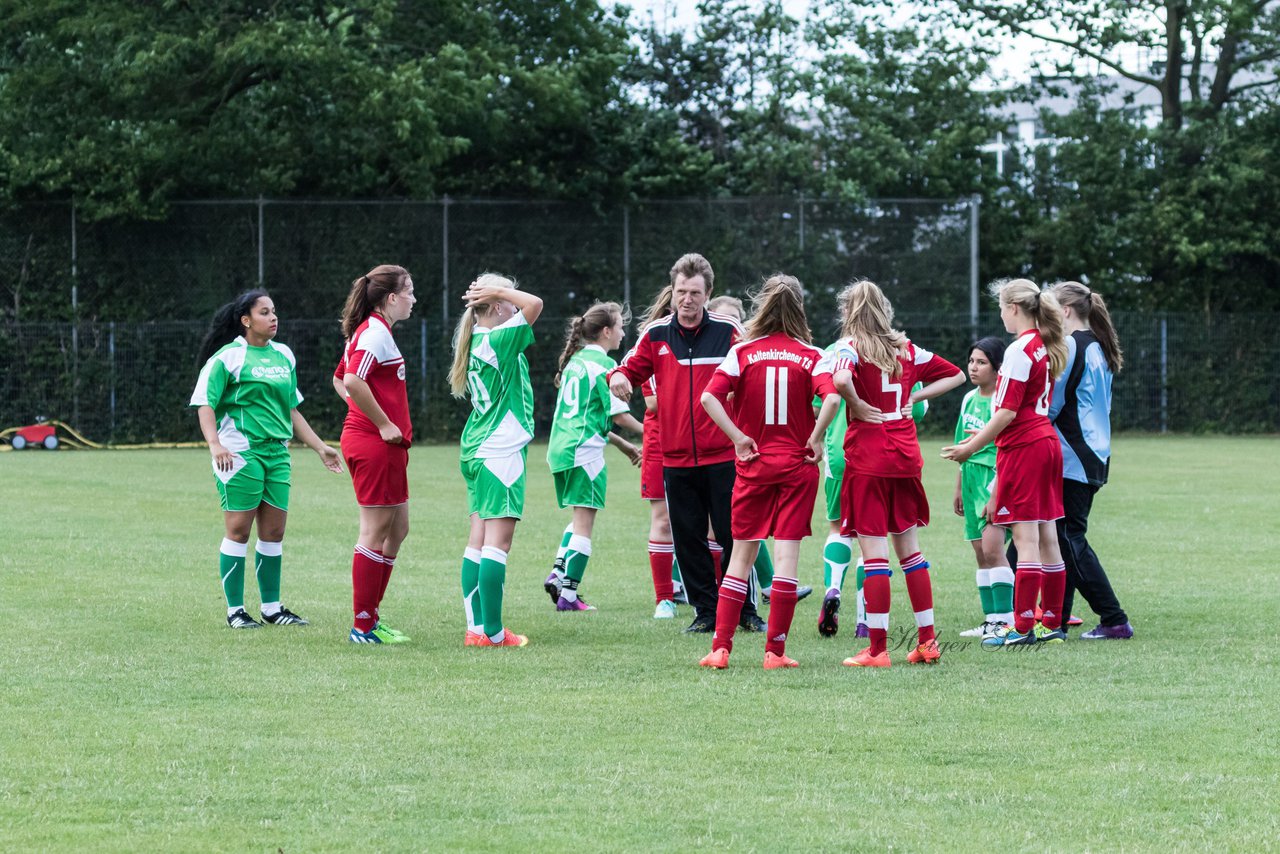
984, 591
764, 566
675, 572
837, 554
564, 547
575, 564
231, 559
1001, 589
470, 589
269, 557
860, 576
493, 576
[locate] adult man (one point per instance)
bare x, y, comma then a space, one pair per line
682, 352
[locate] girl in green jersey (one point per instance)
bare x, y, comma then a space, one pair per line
585, 411
973, 491
246, 400
490, 367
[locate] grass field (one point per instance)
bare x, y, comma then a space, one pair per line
134, 719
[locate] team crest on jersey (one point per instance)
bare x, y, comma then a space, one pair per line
664, 350
400, 372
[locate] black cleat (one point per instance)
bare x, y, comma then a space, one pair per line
752, 623
284, 617
241, 620
829, 618
701, 625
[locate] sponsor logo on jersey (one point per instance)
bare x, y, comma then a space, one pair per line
400, 372
269, 372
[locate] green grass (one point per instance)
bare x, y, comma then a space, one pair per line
133, 719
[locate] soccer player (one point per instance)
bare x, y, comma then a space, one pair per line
246, 400
875, 367
973, 491
490, 367
1081, 413
1027, 495
772, 376
585, 410
375, 439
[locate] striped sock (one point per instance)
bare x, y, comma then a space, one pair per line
915, 569
984, 593
575, 564
470, 590
1026, 590
876, 588
493, 578
388, 564
231, 557
267, 560
733, 593
366, 582
1053, 585
837, 554
661, 556
717, 558
1002, 594
782, 607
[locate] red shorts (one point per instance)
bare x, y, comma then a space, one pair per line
781, 509
1029, 482
651, 486
880, 506
379, 472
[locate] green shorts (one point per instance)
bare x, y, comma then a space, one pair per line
576, 488
260, 474
495, 486
832, 487
975, 492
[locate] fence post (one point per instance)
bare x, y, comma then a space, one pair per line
802, 223
260, 242
626, 256
75, 323
1164, 375
974, 201
444, 255
111, 349
422, 343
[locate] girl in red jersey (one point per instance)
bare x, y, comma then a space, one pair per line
1027, 494
773, 376
874, 366
375, 438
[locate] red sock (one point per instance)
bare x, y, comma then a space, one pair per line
366, 583
1053, 584
717, 558
733, 592
1026, 589
782, 607
920, 591
875, 589
661, 556
389, 563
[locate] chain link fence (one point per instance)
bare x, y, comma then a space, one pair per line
130, 382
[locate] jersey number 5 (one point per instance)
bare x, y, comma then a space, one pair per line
895, 389
775, 396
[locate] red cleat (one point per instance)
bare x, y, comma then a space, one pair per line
776, 662
718, 658
472, 638
925, 653
866, 659
509, 638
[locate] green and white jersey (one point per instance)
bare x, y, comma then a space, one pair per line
584, 413
501, 420
975, 412
251, 391
833, 458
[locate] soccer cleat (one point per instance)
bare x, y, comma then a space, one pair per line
925, 653
665, 610
241, 620
701, 625
388, 630
509, 638
358, 636
1123, 631
1047, 635
284, 617
752, 623
471, 638
717, 658
866, 659
776, 662
1008, 636
552, 585
384, 635
679, 596
563, 604
829, 617
1073, 620
766, 593
861, 631
990, 629
977, 632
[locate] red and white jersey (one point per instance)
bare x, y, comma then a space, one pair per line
773, 381
372, 355
889, 449
1025, 385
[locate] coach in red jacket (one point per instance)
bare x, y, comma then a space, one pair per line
681, 352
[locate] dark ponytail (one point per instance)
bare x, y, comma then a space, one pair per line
225, 326
368, 293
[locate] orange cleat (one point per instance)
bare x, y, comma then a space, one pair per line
509, 638
472, 638
774, 662
866, 659
925, 653
717, 658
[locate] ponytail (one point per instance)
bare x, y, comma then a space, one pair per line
587, 328
1049, 321
225, 326
572, 344
461, 353
1091, 308
368, 293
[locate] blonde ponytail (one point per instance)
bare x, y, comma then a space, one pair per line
461, 353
